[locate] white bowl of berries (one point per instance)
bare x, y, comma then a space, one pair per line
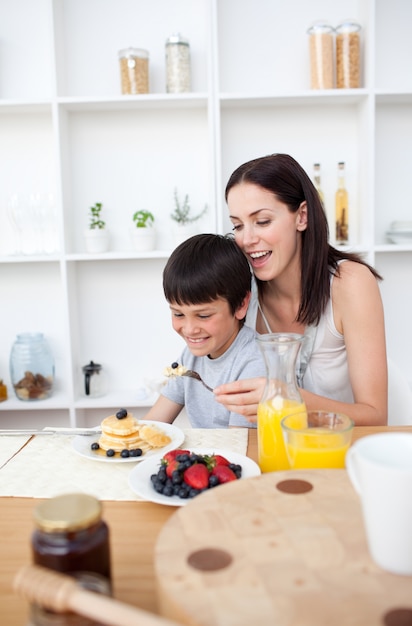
181, 475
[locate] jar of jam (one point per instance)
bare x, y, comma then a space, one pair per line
71, 537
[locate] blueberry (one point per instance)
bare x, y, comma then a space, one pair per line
121, 414
158, 486
95, 446
136, 452
175, 365
125, 454
213, 481
161, 474
110, 452
168, 491
183, 492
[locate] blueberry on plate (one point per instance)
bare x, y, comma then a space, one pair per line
125, 454
95, 446
110, 452
136, 452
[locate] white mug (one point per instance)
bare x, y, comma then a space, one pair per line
380, 468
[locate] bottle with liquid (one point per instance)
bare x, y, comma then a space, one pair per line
341, 207
281, 397
317, 182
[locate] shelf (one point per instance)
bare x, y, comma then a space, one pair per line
119, 256
299, 99
116, 400
66, 129
56, 402
138, 102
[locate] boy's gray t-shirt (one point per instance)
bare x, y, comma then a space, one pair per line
243, 359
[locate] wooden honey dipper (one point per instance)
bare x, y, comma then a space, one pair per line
61, 593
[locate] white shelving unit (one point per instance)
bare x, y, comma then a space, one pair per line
66, 129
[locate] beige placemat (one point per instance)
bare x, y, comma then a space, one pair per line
10, 445
49, 466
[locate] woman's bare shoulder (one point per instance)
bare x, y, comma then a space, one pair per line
354, 275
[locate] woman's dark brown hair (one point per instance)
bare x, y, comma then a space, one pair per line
288, 181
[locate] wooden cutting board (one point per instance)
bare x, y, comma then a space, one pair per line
281, 549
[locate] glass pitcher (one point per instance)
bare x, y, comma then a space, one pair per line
280, 397
94, 382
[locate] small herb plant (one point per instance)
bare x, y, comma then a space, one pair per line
181, 213
95, 220
143, 219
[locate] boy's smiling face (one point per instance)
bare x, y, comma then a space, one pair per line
209, 328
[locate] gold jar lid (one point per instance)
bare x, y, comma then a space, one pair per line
68, 513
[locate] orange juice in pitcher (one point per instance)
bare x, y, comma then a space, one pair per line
280, 397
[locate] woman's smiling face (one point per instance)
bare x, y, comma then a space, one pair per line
265, 229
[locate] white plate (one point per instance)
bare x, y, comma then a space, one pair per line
82, 443
140, 483
399, 236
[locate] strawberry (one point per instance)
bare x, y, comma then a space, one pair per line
224, 474
197, 476
169, 460
170, 456
217, 459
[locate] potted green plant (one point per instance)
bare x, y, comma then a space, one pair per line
183, 218
144, 232
96, 235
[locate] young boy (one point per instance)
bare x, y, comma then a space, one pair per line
207, 283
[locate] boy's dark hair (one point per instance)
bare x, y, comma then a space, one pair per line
204, 268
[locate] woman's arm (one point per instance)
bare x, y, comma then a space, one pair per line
164, 410
358, 314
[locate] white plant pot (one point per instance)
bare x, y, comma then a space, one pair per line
181, 232
96, 240
143, 239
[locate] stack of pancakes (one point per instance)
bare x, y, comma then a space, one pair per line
128, 434
119, 434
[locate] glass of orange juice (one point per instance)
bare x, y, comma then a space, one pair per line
317, 439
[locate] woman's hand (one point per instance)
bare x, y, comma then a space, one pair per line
242, 396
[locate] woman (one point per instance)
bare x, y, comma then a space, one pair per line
304, 285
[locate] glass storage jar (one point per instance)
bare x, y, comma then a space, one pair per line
348, 55
321, 55
32, 367
134, 70
178, 74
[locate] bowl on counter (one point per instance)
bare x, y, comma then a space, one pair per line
400, 232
